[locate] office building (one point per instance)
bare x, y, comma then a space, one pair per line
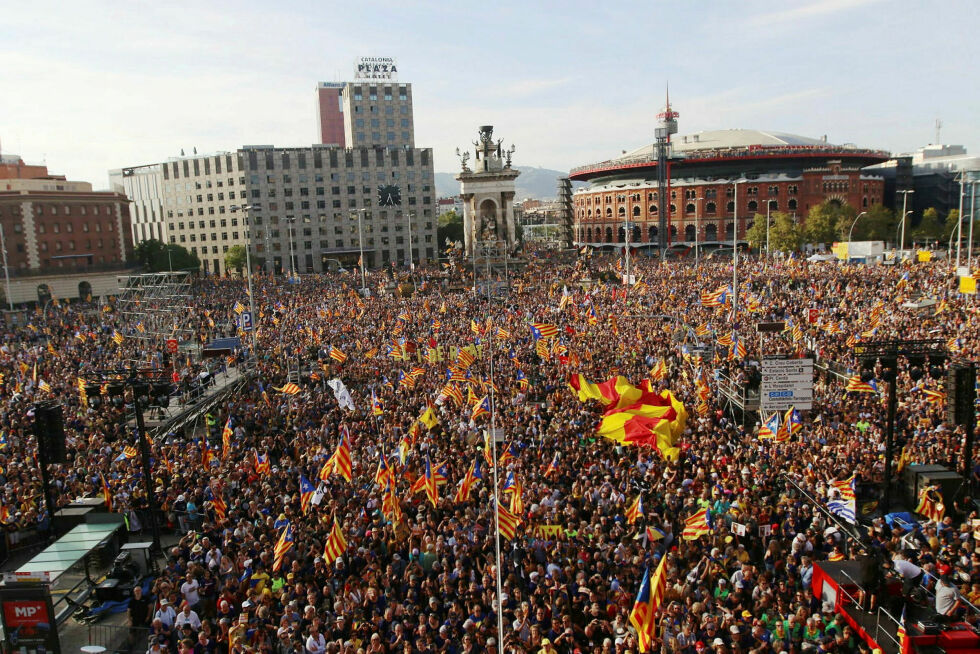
330, 113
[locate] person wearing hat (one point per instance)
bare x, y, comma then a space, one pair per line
165, 614
547, 647
947, 596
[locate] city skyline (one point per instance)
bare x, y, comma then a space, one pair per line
94, 87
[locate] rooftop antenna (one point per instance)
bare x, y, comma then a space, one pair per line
939, 127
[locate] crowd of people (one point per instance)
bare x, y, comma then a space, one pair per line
418, 571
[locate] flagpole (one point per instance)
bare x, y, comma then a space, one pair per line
496, 484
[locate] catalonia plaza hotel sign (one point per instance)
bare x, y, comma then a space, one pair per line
382, 68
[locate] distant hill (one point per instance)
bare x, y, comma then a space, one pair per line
537, 183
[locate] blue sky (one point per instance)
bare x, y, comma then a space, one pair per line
89, 86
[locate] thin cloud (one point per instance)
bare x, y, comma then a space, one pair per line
811, 10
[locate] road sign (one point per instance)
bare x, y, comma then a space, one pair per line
771, 327
172, 345
786, 383
245, 322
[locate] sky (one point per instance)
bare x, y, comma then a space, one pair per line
90, 86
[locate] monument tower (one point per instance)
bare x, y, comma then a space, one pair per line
487, 191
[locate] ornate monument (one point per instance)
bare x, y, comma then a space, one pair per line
487, 191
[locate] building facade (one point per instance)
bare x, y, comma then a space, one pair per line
53, 225
143, 185
306, 203
378, 114
330, 113
932, 174
718, 179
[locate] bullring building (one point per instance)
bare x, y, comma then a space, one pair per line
713, 173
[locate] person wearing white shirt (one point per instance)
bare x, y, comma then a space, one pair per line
187, 616
315, 643
165, 614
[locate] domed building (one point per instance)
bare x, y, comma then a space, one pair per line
715, 180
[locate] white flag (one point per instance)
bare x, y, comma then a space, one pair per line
341, 393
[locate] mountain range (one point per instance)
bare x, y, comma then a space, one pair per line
536, 183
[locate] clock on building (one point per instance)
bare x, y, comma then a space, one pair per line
389, 195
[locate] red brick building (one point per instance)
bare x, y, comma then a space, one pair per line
712, 174
51, 225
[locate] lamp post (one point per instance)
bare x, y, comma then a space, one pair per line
245, 208
289, 235
697, 229
768, 210
901, 239
628, 229
959, 227
360, 244
6, 271
735, 253
905, 213
851, 232
411, 255
973, 216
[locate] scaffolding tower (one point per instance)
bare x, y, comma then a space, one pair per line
565, 212
156, 304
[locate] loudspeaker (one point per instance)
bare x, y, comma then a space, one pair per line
910, 478
49, 429
961, 393
948, 483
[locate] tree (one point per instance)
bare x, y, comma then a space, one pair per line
821, 223
450, 227
878, 224
952, 218
236, 258
785, 234
930, 227
155, 256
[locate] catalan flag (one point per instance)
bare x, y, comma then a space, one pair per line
262, 463
644, 614
140, 328
207, 456
339, 461
517, 498
793, 421
106, 492
219, 506
337, 355
482, 408
336, 544
931, 504
384, 471
697, 525
377, 407
306, 491
117, 337
288, 389
465, 357
553, 466
635, 510
44, 386
239, 308
522, 380
770, 427
452, 391
502, 333
659, 371
856, 385
466, 483
507, 522
901, 635
130, 452
283, 547
431, 488
540, 330
934, 397
226, 435
846, 487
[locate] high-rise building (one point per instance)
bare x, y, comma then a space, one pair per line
330, 113
378, 113
143, 185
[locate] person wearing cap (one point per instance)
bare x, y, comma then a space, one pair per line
547, 647
948, 599
165, 614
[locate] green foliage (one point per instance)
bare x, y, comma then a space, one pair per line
155, 256
878, 224
450, 227
930, 227
823, 222
236, 258
785, 235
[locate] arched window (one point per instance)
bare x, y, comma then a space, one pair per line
588, 235
729, 231
609, 235
673, 209
753, 205
673, 232
622, 212
710, 208
792, 204
689, 208
622, 235
773, 205
653, 210
652, 233
84, 291
690, 233
711, 233
731, 206
636, 211
637, 234
589, 214
609, 212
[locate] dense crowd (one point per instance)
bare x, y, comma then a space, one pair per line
414, 576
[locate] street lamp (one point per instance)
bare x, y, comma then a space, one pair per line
289, 234
901, 240
360, 244
411, 255
768, 210
697, 229
905, 213
851, 232
245, 208
735, 252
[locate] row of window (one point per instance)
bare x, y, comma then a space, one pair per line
307, 245
55, 228
63, 209
376, 122
352, 158
708, 233
60, 246
690, 209
387, 91
360, 137
689, 194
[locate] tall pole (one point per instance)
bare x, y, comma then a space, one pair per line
735, 258
900, 240
496, 481
42, 460
6, 271
905, 213
697, 229
768, 210
890, 436
969, 246
411, 256
851, 233
628, 230
248, 272
959, 227
151, 500
360, 245
289, 235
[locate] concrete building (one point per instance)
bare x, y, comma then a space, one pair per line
933, 174
143, 185
306, 203
61, 229
378, 114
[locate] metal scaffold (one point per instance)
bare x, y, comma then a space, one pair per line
156, 303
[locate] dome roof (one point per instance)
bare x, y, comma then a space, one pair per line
721, 139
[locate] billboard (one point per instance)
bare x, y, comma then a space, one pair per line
28, 618
376, 68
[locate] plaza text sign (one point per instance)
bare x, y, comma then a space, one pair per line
383, 68
787, 383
